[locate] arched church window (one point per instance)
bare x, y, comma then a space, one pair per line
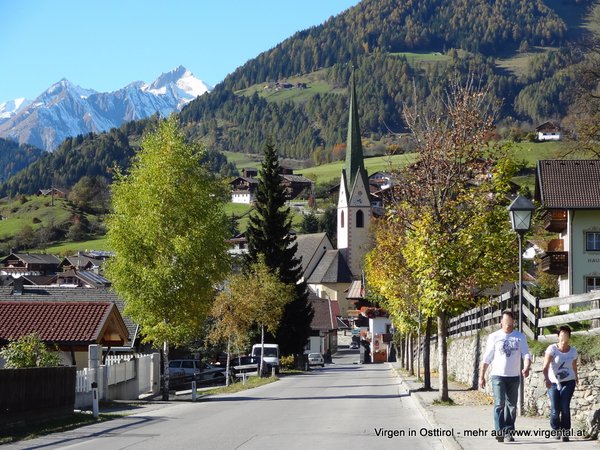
360, 220
342, 220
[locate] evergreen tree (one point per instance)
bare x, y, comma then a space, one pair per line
268, 234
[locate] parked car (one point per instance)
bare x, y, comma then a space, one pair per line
190, 369
316, 359
245, 364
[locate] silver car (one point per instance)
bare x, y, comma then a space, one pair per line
316, 359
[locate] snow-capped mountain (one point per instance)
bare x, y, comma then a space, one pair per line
12, 107
65, 109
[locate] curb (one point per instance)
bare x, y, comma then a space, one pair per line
449, 442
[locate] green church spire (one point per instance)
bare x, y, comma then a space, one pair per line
355, 165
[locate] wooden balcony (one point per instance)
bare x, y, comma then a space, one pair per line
555, 263
555, 220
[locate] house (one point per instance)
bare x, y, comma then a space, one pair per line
569, 193
71, 326
548, 131
37, 294
55, 192
72, 277
18, 264
250, 172
82, 261
243, 190
323, 338
294, 185
324, 269
238, 245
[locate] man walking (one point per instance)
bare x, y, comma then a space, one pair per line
504, 351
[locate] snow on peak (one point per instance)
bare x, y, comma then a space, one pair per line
189, 86
12, 107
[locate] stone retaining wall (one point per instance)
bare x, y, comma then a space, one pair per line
464, 355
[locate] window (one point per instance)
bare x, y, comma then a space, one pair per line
592, 241
592, 284
359, 219
342, 220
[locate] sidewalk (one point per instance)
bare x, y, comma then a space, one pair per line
469, 423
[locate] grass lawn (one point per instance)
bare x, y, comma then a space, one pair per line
329, 172
36, 212
243, 160
72, 247
416, 57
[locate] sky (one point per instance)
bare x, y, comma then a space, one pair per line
107, 44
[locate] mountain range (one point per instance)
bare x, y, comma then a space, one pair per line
66, 109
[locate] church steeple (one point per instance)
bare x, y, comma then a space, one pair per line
354, 203
354, 153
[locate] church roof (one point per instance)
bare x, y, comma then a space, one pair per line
332, 268
354, 165
308, 244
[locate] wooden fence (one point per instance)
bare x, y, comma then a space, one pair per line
35, 394
535, 314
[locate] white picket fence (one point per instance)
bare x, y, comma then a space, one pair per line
122, 377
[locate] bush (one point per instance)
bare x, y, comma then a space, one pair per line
29, 351
36, 220
287, 362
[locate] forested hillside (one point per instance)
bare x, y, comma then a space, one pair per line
523, 49
14, 157
374, 36
92, 155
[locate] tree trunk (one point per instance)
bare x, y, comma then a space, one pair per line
442, 356
426, 355
401, 350
262, 349
407, 351
165, 392
228, 366
411, 358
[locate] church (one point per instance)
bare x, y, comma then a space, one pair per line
329, 272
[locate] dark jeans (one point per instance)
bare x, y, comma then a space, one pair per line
506, 394
560, 401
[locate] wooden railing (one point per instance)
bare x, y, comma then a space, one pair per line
534, 314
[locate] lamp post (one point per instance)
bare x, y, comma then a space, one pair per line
520, 210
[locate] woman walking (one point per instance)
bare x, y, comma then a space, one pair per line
560, 374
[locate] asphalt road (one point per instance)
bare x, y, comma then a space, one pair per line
342, 406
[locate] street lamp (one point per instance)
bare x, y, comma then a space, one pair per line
520, 210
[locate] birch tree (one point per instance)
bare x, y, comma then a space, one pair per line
168, 231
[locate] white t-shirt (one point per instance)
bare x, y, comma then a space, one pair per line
561, 364
504, 352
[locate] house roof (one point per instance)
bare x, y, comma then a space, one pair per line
296, 178
34, 258
246, 179
332, 268
63, 322
323, 319
39, 280
568, 184
73, 294
307, 246
81, 261
547, 126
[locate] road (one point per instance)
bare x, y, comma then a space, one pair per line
342, 406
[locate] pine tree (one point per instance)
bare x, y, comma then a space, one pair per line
268, 234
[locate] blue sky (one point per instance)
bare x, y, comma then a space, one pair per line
106, 44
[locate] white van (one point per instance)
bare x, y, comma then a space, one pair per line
270, 356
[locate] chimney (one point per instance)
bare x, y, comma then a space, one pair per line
17, 286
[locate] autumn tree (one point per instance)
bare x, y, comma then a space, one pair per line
451, 206
168, 231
